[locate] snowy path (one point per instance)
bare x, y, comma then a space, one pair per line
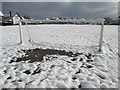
100, 70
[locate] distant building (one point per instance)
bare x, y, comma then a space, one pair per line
119, 20
12, 19
47, 19
1, 18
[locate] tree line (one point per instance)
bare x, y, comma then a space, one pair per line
108, 21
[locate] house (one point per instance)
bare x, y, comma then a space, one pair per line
12, 19
1, 18
119, 20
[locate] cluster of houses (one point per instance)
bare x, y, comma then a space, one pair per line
12, 19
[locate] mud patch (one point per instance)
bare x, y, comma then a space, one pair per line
52, 66
74, 78
89, 56
38, 70
74, 59
77, 72
34, 55
27, 72
81, 59
79, 86
89, 66
9, 77
89, 60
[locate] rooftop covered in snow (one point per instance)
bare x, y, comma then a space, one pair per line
1, 14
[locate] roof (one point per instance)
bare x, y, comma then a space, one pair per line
17, 14
1, 14
13, 15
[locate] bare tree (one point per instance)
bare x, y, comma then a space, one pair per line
108, 20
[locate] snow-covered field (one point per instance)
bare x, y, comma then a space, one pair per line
98, 71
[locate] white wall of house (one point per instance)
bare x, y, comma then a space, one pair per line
16, 19
1, 17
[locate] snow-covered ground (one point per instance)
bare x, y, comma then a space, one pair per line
60, 72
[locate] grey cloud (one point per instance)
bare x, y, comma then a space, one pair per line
63, 9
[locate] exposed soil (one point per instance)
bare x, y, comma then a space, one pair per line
89, 66
38, 70
74, 78
81, 59
33, 55
74, 59
27, 72
88, 56
77, 72
9, 78
79, 86
89, 60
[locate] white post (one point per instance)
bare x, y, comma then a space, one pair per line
20, 31
28, 32
101, 35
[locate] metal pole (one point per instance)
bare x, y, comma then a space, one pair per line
101, 35
20, 30
28, 32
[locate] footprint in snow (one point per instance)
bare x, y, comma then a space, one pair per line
27, 72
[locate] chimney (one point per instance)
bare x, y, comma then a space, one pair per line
10, 14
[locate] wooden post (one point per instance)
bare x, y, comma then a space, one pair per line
101, 35
28, 32
20, 31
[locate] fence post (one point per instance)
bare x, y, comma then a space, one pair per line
20, 31
101, 35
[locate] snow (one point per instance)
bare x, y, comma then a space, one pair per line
60, 72
1, 14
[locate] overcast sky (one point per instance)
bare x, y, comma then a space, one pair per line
38, 10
